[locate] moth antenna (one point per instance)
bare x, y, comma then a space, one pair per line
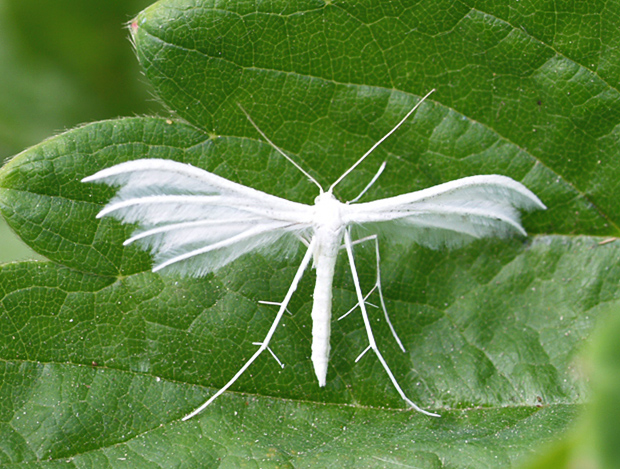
369, 185
346, 173
304, 172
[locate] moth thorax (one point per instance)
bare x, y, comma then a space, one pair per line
327, 212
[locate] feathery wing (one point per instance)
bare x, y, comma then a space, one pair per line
193, 221
450, 214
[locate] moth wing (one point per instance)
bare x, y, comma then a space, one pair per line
193, 221
450, 214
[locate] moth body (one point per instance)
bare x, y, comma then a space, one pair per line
328, 233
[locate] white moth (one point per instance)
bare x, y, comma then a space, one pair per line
195, 222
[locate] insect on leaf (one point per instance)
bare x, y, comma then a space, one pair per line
195, 222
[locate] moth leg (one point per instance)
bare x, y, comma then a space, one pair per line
273, 354
303, 239
356, 305
273, 303
264, 345
371, 338
377, 286
369, 185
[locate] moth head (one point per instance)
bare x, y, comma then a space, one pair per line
325, 198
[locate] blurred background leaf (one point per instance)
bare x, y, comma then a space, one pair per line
63, 63
594, 442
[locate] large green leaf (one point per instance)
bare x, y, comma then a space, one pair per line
102, 358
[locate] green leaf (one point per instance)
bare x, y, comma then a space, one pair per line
102, 358
594, 442
63, 62
606, 411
